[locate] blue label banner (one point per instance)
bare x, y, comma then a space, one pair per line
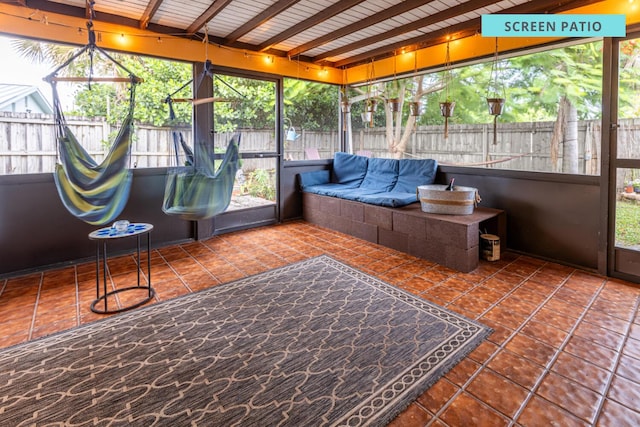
553, 25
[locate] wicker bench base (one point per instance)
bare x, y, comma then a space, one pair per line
449, 240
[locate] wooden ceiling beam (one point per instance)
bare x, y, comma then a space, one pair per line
149, 11
216, 7
463, 8
465, 28
310, 22
19, 2
357, 26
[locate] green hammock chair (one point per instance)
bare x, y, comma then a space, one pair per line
201, 191
94, 192
198, 190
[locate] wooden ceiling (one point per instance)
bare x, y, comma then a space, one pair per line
336, 33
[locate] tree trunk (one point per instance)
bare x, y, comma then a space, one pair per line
558, 133
565, 132
570, 148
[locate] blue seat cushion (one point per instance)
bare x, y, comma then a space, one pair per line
348, 169
309, 179
393, 199
382, 174
331, 189
415, 172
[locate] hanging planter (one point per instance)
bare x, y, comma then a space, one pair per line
446, 111
394, 104
446, 108
370, 108
345, 107
415, 108
371, 105
495, 94
496, 105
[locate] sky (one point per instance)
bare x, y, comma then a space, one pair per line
19, 70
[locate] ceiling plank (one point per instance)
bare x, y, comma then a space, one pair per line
415, 25
356, 26
215, 8
20, 2
260, 19
463, 29
312, 21
150, 10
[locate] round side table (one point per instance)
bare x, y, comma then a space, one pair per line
102, 236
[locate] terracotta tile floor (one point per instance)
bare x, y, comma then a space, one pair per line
565, 351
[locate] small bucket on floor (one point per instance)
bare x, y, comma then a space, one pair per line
490, 247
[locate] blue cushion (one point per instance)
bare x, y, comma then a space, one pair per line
392, 199
309, 179
331, 189
382, 174
348, 169
377, 181
415, 172
356, 193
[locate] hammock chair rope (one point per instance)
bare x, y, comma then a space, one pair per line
94, 192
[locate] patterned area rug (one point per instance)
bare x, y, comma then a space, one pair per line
313, 343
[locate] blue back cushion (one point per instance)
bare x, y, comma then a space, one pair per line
348, 169
382, 174
415, 172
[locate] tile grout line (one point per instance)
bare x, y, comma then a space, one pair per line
515, 333
463, 388
617, 362
547, 367
35, 308
78, 317
174, 271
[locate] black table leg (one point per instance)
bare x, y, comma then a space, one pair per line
104, 273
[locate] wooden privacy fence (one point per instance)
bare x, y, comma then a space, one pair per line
519, 146
27, 144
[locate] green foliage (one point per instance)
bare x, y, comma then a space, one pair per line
260, 183
252, 105
627, 226
311, 105
533, 84
160, 77
629, 94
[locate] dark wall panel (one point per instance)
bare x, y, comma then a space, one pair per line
36, 230
549, 216
291, 199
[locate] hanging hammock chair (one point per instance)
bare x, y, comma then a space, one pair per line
201, 191
94, 192
198, 190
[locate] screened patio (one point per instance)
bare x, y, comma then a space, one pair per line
563, 299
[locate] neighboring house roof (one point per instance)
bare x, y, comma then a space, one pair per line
11, 94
